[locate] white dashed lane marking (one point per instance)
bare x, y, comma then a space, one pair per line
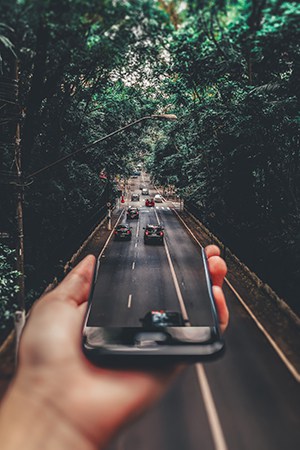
129, 300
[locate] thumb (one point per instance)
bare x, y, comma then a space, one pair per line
77, 284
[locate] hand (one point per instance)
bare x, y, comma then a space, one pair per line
62, 399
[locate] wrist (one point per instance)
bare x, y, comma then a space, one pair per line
30, 420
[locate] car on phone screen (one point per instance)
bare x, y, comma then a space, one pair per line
135, 197
149, 202
145, 191
132, 212
153, 234
162, 318
122, 232
158, 198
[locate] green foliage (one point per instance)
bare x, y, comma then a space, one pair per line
8, 285
228, 69
86, 69
235, 153
5, 44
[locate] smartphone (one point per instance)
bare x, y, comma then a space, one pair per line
159, 336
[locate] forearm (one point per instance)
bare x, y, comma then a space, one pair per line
31, 424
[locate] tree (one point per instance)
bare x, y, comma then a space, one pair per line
234, 75
72, 58
8, 286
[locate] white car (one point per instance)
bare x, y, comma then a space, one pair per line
158, 198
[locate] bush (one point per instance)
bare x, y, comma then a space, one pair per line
8, 285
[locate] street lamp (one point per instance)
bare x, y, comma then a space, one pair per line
20, 314
163, 117
28, 178
168, 117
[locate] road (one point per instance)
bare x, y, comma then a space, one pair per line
247, 400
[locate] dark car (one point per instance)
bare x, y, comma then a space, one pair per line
154, 234
135, 197
162, 318
132, 213
135, 173
122, 232
149, 202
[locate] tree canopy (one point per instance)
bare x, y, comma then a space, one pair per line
228, 69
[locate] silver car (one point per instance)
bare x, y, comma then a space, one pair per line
158, 198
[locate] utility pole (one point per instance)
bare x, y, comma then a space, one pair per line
108, 198
20, 313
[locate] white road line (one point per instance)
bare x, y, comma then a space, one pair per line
280, 353
135, 245
176, 284
157, 218
129, 301
133, 265
213, 418
137, 229
292, 369
217, 432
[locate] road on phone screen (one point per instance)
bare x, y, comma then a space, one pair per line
247, 400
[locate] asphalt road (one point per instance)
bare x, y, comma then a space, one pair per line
247, 400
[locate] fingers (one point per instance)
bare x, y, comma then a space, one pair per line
218, 269
217, 266
212, 250
77, 284
221, 306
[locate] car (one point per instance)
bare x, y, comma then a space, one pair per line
122, 232
158, 198
132, 212
145, 191
135, 174
149, 202
135, 197
154, 234
162, 318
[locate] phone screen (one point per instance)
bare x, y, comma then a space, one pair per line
110, 308
155, 317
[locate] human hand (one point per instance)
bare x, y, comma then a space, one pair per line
81, 404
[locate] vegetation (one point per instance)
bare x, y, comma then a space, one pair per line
9, 286
228, 69
234, 76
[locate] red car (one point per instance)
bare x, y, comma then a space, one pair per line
149, 202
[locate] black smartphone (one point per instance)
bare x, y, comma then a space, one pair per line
158, 336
